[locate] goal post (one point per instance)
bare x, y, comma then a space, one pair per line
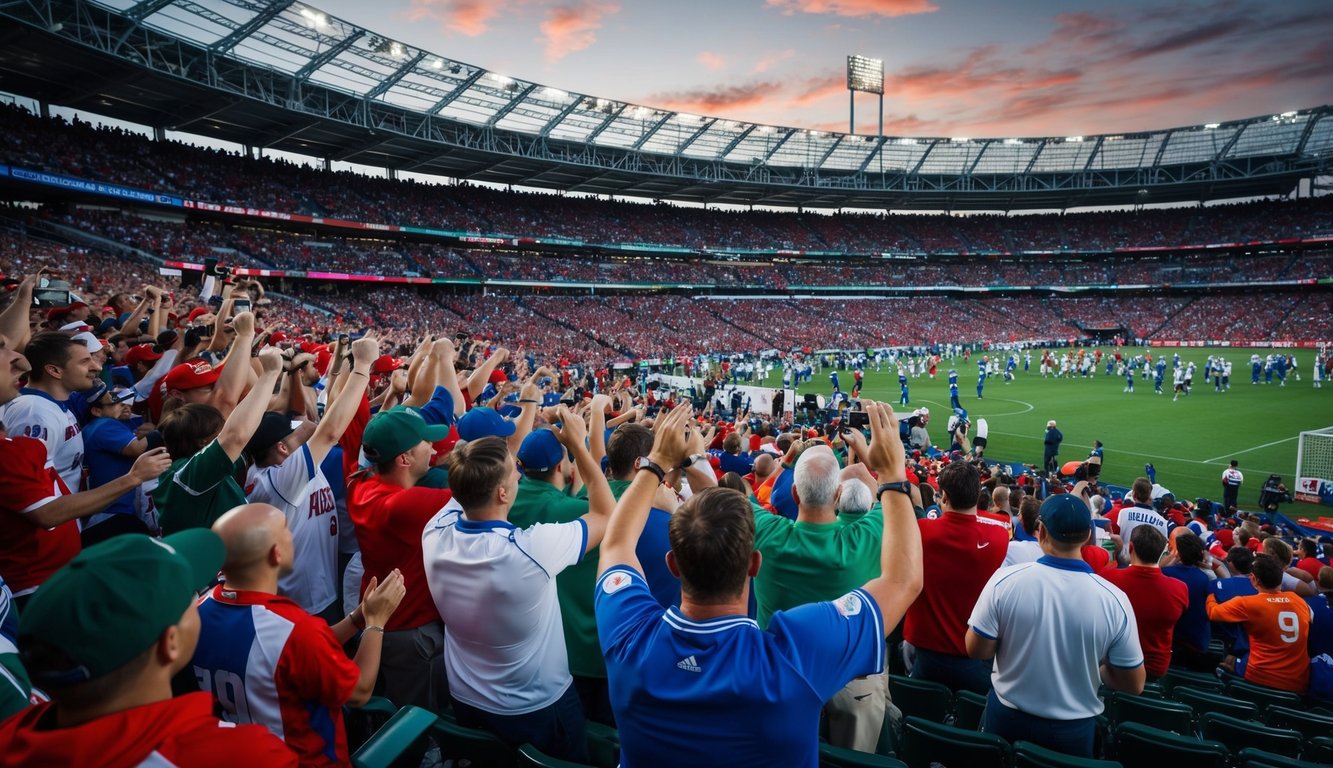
1314, 467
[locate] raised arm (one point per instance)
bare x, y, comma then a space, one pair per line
573, 435
14, 320
236, 367
900, 558
343, 408
477, 381
244, 419
670, 447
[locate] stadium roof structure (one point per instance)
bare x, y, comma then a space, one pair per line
287, 76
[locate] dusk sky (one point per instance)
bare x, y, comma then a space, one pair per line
953, 67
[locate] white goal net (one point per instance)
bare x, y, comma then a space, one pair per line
1314, 467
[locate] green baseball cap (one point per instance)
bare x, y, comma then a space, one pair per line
396, 431
114, 599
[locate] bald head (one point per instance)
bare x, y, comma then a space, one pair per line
249, 532
764, 465
999, 499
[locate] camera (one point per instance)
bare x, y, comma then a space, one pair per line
51, 293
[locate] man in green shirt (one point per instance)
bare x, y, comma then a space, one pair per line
201, 483
820, 556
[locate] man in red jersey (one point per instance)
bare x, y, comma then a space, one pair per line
104, 637
1159, 600
271, 663
960, 552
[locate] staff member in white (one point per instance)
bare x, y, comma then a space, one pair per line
1057, 632
1231, 481
494, 586
60, 366
1140, 513
286, 474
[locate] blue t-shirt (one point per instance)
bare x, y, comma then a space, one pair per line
1321, 625
722, 691
103, 441
780, 497
1224, 590
1193, 629
739, 463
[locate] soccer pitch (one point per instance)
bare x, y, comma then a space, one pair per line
1190, 441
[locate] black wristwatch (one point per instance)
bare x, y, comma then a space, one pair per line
693, 459
645, 463
902, 486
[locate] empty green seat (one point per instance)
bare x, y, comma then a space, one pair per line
1206, 701
1029, 755
1310, 724
1176, 677
1257, 758
968, 709
1142, 745
1240, 734
402, 740
1261, 695
1320, 750
926, 742
921, 698
837, 757
1159, 713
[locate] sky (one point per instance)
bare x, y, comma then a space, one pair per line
973, 68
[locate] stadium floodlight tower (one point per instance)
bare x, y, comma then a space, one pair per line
866, 75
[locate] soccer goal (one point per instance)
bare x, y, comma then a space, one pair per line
1314, 467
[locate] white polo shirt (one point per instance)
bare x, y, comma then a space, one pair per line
494, 586
1056, 621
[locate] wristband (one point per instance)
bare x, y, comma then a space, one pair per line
645, 464
375, 629
359, 623
529, 401
902, 486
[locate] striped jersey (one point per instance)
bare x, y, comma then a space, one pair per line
268, 662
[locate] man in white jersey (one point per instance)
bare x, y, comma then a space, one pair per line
60, 367
1139, 512
286, 474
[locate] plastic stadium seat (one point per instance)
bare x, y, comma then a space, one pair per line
1239, 734
362, 722
1142, 745
402, 738
1198, 680
1310, 724
1320, 750
968, 709
1154, 690
531, 757
603, 745
1257, 758
1261, 695
926, 743
1029, 755
921, 698
482, 749
1159, 713
837, 757
1204, 701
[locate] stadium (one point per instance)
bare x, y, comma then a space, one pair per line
520, 250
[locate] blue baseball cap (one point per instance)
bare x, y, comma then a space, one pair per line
484, 422
541, 451
1066, 518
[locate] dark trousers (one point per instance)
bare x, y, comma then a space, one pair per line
595, 696
559, 729
1230, 496
1072, 737
958, 672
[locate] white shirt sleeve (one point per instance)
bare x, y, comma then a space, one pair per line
144, 387
26, 418
554, 547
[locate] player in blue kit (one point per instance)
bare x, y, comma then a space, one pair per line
981, 376
1129, 377
702, 684
903, 399
1160, 375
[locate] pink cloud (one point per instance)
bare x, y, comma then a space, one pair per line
855, 8
573, 27
466, 17
713, 61
773, 59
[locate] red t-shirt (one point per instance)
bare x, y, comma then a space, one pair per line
291, 659
29, 553
1310, 565
998, 519
1159, 601
389, 520
180, 731
959, 554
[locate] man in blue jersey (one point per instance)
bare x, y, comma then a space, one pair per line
702, 683
981, 376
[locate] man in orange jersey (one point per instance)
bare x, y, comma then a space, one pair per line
1278, 625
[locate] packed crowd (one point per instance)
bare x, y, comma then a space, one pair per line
223, 529
114, 155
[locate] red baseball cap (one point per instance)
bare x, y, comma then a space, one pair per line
278, 337
386, 364
192, 375
198, 312
498, 377
142, 353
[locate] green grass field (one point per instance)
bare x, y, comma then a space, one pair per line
1190, 441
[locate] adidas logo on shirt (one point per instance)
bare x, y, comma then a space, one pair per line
689, 664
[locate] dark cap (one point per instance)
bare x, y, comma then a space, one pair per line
1066, 518
273, 427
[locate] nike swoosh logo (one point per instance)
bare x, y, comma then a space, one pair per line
862, 696
983, 545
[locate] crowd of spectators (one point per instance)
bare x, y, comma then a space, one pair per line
118, 156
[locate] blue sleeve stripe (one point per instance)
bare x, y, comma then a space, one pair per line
1118, 666
309, 462
880, 634
583, 544
979, 632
